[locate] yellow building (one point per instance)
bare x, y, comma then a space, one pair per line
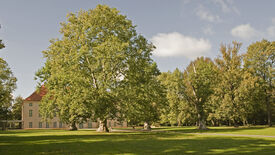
32, 119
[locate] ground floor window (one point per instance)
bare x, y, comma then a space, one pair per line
60, 124
40, 124
89, 124
80, 125
110, 124
30, 124
47, 125
54, 124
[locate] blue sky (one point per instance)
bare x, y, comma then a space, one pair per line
180, 29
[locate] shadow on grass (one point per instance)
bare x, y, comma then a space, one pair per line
211, 130
138, 143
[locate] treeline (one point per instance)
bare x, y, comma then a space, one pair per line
233, 89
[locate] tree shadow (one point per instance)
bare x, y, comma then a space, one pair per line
211, 130
136, 143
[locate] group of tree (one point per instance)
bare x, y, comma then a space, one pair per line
234, 89
102, 69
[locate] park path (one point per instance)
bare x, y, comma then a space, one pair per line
234, 135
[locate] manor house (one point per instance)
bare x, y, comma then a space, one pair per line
32, 119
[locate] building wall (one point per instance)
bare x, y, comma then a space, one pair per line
35, 119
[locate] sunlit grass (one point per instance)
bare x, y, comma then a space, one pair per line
160, 141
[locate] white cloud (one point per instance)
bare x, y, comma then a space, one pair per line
227, 6
204, 14
245, 32
176, 44
208, 30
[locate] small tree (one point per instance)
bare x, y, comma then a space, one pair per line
17, 108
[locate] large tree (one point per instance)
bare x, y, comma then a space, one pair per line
199, 81
177, 111
231, 91
7, 86
259, 61
92, 69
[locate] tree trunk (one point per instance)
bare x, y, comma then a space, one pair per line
201, 125
269, 113
179, 123
147, 126
201, 122
73, 126
103, 126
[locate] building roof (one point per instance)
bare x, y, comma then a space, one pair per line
37, 95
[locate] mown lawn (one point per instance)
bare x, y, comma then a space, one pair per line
159, 141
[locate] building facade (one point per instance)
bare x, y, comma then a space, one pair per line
33, 120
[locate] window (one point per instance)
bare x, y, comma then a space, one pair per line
114, 124
110, 124
89, 124
30, 124
47, 125
30, 113
30, 104
60, 124
80, 125
54, 124
40, 124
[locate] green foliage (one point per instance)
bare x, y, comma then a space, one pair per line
228, 95
7, 86
259, 61
17, 108
93, 71
199, 81
177, 110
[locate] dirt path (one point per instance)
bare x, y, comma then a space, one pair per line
234, 135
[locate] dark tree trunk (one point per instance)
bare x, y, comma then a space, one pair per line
202, 124
201, 121
269, 113
103, 126
73, 126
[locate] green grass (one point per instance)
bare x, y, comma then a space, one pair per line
162, 141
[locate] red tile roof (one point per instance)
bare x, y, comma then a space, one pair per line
37, 95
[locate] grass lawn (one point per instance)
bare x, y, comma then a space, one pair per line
161, 141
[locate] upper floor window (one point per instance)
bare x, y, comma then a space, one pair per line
30, 113
30, 104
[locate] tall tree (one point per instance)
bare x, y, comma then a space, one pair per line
228, 93
87, 71
259, 60
17, 108
177, 111
7, 86
199, 81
